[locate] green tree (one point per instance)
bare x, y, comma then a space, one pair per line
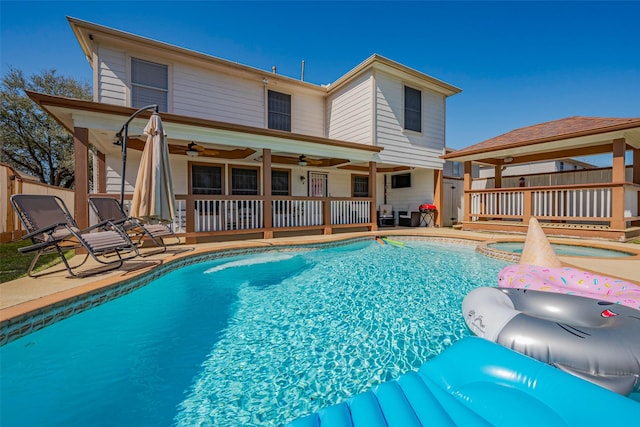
31, 141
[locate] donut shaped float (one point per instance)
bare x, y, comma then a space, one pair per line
540, 269
572, 281
596, 340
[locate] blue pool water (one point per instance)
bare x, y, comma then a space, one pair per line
569, 250
256, 340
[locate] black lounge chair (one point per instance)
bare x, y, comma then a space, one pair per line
52, 229
109, 209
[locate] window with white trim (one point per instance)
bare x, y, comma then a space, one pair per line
412, 109
279, 111
149, 84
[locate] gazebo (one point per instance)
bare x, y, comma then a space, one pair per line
608, 210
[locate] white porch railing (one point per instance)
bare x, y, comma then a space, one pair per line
227, 215
631, 205
350, 211
180, 221
297, 213
584, 204
580, 203
497, 203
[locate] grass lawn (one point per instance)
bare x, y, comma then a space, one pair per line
15, 265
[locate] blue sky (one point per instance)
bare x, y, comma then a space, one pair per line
518, 63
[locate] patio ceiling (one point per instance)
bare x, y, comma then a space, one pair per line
213, 138
558, 139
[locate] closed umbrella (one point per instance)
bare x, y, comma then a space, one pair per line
153, 197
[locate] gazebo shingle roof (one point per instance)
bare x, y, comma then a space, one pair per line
553, 130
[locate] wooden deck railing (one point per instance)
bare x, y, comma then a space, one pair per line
614, 204
225, 214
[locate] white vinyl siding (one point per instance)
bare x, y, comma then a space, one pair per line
349, 112
215, 96
307, 115
222, 97
112, 76
408, 148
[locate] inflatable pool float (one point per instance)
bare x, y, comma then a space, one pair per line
540, 269
393, 242
385, 240
596, 340
570, 281
478, 383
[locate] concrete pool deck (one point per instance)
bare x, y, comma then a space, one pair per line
32, 295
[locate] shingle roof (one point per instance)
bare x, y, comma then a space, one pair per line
554, 130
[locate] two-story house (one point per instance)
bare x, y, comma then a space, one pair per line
254, 151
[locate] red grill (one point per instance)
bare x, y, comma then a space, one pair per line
427, 207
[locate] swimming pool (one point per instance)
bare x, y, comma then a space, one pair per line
256, 340
560, 249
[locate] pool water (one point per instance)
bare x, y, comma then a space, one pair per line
255, 340
569, 250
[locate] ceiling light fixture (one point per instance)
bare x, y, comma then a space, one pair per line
191, 150
508, 159
302, 160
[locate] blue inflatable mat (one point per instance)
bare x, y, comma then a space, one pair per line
479, 383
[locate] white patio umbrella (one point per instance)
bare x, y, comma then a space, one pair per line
153, 197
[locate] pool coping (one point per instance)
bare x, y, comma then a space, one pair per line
492, 252
26, 317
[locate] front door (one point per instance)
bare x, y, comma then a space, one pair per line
318, 184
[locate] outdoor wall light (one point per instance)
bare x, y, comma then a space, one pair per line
303, 178
191, 150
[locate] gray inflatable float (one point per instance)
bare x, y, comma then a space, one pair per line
598, 341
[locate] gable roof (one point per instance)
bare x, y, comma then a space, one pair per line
88, 33
376, 61
582, 131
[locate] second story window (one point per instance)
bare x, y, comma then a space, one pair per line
149, 84
279, 111
412, 109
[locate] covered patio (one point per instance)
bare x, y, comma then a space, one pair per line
226, 215
593, 208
